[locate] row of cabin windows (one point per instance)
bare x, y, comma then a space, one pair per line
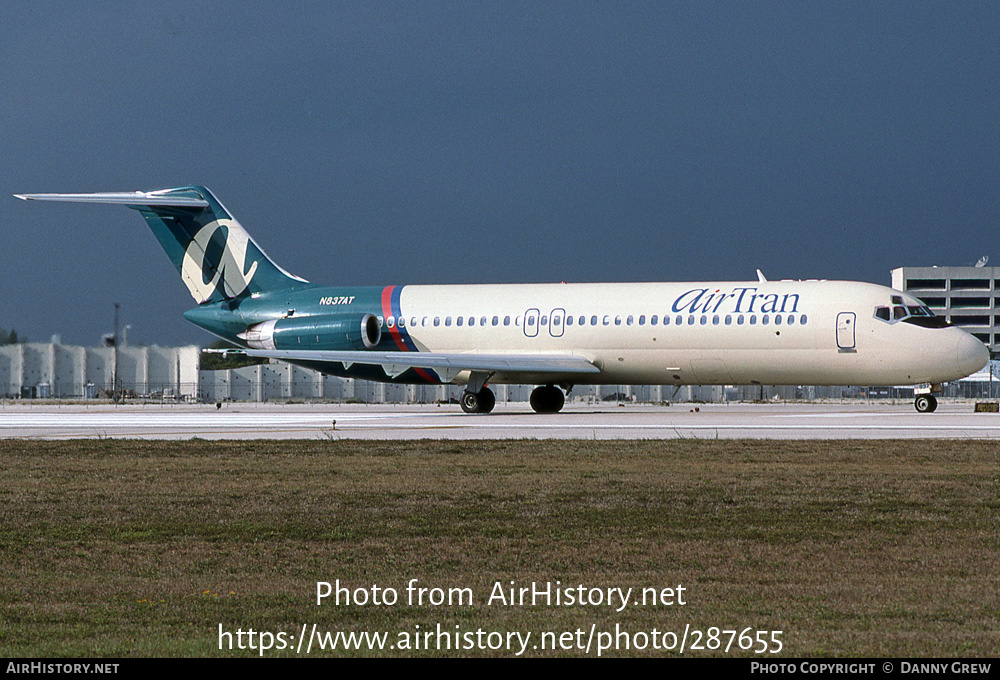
459, 321
630, 320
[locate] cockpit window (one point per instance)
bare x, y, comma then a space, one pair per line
918, 315
897, 299
927, 321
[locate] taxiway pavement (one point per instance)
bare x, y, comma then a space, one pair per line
508, 421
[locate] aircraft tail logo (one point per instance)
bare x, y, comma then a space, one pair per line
202, 275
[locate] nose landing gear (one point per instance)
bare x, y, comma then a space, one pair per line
925, 403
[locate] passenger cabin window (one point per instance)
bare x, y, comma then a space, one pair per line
652, 320
506, 321
458, 321
437, 320
496, 320
447, 321
593, 321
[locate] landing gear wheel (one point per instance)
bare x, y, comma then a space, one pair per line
925, 403
482, 401
487, 400
470, 402
547, 399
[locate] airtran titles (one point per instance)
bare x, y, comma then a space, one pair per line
739, 300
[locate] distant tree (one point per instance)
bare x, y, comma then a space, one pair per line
10, 338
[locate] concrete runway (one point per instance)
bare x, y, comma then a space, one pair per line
514, 421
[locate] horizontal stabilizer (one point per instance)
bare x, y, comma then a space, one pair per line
137, 198
215, 256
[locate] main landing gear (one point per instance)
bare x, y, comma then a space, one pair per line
477, 397
925, 403
547, 399
482, 401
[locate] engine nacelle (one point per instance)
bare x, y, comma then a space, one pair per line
334, 332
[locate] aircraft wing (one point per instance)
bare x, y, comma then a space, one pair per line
395, 363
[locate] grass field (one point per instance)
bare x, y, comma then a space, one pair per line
860, 548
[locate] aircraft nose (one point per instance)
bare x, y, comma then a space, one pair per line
970, 354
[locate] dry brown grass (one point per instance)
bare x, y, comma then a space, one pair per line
850, 548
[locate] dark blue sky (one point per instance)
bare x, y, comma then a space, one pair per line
438, 142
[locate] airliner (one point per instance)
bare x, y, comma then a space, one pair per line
553, 335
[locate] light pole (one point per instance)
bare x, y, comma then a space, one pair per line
115, 375
990, 364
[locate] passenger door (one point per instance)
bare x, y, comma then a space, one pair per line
845, 331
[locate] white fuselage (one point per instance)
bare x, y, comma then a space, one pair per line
758, 332
771, 332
